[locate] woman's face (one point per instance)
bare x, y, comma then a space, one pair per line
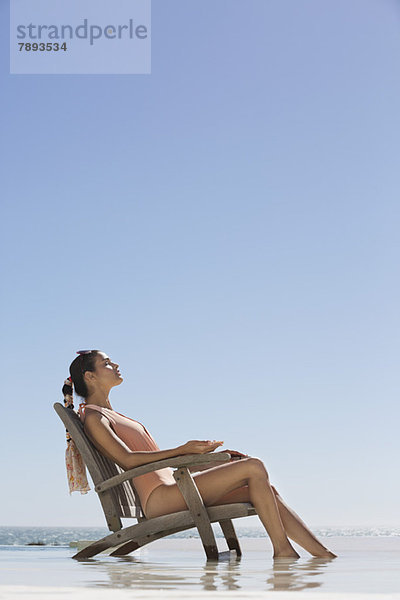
106, 373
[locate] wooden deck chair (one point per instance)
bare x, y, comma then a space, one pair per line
119, 499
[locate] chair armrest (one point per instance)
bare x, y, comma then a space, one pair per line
186, 460
205, 467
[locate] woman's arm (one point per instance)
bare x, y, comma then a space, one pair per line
99, 431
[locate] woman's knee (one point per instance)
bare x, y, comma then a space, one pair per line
256, 467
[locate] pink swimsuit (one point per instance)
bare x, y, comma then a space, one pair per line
137, 438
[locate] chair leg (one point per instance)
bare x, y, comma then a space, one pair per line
136, 534
230, 535
126, 549
198, 511
140, 542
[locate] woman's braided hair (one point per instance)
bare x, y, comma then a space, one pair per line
84, 362
76, 471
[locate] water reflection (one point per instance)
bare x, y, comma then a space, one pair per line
256, 572
292, 574
222, 575
133, 572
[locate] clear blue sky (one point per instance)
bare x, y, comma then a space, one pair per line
226, 229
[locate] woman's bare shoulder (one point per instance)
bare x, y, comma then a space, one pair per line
94, 420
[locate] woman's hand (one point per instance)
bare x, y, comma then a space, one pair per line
199, 446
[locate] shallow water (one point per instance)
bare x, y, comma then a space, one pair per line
364, 565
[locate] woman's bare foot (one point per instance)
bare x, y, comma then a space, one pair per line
325, 554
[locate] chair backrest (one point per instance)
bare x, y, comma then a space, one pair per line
122, 501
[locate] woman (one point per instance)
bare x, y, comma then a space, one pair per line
129, 444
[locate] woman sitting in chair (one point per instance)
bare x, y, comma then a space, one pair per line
129, 444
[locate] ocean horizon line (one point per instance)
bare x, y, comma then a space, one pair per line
63, 535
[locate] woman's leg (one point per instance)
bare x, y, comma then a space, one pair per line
216, 482
298, 531
295, 528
